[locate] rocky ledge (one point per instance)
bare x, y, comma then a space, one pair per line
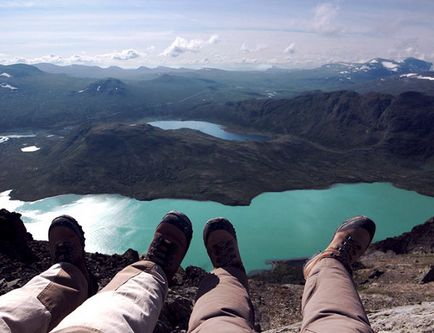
395, 280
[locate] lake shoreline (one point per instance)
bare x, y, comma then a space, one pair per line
242, 201
114, 223
148, 163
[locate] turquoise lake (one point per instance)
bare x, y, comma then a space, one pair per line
274, 226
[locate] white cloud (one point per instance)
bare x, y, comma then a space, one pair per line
290, 49
51, 58
244, 48
324, 19
181, 45
204, 61
125, 55
99, 59
249, 61
259, 47
214, 39
407, 48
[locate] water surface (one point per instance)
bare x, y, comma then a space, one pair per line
275, 226
215, 130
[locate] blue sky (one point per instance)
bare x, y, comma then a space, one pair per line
224, 34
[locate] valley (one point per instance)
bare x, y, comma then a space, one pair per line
93, 135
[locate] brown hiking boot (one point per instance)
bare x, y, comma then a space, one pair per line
171, 241
66, 244
221, 243
349, 242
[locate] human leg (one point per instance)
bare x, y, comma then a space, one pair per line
132, 301
46, 299
222, 302
330, 300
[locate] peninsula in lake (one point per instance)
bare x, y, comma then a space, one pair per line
80, 133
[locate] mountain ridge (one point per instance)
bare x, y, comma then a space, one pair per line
32, 98
145, 162
407, 65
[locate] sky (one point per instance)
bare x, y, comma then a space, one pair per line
228, 34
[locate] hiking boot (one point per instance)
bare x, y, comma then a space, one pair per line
349, 242
66, 244
221, 244
171, 241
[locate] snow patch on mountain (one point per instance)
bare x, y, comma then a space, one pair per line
408, 75
416, 76
4, 138
381, 67
420, 77
7, 86
390, 65
30, 149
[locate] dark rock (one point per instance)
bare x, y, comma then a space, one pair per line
14, 236
14, 284
131, 255
358, 265
162, 326
194, 275
179, 310
179, 278
375, 274
3, 283
419, 239
428, 276
282, 271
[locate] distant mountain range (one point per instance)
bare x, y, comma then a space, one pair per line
374, 68
377, 68
47, 95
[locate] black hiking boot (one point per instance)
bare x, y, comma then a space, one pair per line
349, 242
66, 244
171, 241
221, 244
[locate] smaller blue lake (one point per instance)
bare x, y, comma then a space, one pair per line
212, 129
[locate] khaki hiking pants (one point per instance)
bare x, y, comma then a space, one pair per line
55, 301
330, 301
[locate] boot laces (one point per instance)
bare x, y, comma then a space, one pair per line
162, 252
349, 249
224, 252
63, 252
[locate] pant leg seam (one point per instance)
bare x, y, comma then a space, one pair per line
83, 329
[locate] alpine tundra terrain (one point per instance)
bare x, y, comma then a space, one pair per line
78, 129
